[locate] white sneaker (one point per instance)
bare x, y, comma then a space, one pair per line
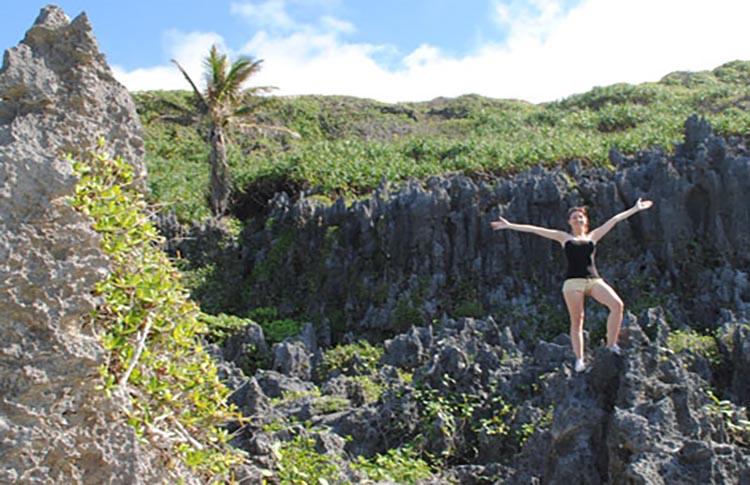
615, 349
580, 365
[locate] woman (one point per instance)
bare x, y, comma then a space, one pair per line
582, 278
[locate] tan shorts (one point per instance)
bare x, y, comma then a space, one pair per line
580, 284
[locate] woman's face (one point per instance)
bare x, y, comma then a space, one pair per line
578, 220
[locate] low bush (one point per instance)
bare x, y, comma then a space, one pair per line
150, 329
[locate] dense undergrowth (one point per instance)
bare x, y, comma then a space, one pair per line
348, 145
150, 328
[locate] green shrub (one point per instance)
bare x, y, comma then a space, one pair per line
149, 328
288, 397
371, 389
275, 329
219, 327
453, 411
400, 465
299, 463
330, 404
406, 314
469, 308
735, 418
691, 341
265, 269
505, 423
351, 359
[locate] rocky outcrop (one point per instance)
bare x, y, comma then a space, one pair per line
496, 413
409, 254
496, 397
57, 96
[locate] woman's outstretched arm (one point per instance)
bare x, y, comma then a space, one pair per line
553, 234
600, 231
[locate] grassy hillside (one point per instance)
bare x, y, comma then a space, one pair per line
349, 144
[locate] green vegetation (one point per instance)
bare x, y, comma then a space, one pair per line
265, 269
371, 389
469, 308
275, 329
220, 327
347, 145
407, 314
400, 465
452, 413
299, 463
504, 423
692, 341
467, 301
288, 397
149, 328
455, 418
330, 404
224, 104
734, 418
351, 359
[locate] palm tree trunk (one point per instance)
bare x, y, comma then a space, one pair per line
219, 172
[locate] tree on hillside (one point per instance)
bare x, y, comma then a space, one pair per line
224, 106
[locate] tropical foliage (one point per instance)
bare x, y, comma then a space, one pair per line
149, 328
223, 105
348, 145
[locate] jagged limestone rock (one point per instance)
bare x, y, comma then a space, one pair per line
57, 95
406, 254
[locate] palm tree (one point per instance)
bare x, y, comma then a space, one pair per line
222, 106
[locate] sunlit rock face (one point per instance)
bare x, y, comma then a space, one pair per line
58, 96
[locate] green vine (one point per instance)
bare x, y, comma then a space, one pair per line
150, 329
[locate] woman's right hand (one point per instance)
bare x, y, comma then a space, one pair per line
500, 223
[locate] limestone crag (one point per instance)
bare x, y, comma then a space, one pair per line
411, 253
497, 412
57, 95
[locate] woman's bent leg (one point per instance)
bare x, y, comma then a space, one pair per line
604, 294
574, 302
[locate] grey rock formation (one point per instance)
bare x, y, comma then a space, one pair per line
57, 95
637, 418
247, 348
522, 417
250, 399
274, 384
406, 255
408, 350
292, 359
740, 377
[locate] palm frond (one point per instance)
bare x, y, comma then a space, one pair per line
240, 71
216, 72
198, 94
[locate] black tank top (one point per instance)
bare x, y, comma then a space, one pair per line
580, 256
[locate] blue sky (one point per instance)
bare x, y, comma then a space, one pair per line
537, 50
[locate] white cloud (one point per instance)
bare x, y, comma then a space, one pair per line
189, 49
271, 14
337, 25
548, 53
528, 18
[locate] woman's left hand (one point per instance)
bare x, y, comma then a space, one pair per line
641, 204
